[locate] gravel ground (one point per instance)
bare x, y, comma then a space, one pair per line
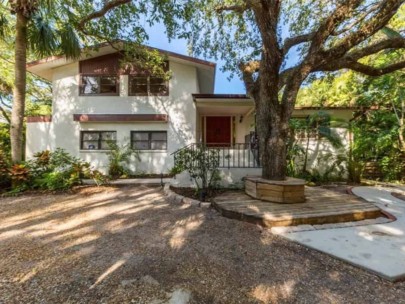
128, 245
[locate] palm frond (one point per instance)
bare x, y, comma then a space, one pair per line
331, 135
69, 42
42, 37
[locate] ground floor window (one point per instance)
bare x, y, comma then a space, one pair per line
149, 140
97, 140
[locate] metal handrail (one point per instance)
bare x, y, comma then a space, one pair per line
238, 155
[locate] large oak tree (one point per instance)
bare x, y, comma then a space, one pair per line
258, 36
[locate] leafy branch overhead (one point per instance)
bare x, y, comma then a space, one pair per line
346, 32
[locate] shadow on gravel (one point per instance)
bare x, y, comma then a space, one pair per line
129, 244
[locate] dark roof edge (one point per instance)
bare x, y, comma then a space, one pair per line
220, 96
244, 96
104, 44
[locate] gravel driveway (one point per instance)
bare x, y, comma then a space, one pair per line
128, 245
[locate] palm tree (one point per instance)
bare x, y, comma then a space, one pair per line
37, 30
315, 125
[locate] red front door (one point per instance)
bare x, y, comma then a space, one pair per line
218, 131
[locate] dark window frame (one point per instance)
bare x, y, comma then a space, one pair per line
149, 140
99, 144
148, 85
99, 76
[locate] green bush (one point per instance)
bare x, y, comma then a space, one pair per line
5, 180
202, 164
57, 170
118, 157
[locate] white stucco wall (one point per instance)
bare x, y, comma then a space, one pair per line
243, 128
63, 132
321, 153
38, 138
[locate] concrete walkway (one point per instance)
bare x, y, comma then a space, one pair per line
378, 248
132, 181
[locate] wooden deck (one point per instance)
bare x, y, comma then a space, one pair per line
321, 207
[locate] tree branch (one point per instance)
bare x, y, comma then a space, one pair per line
237, 8
100, 13
372, 71
357, 21
387, 10
328, 27
362, 68
293, 41
248, 69
393, 43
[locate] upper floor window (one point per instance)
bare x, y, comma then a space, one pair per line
97, 140
148, 85
99, 85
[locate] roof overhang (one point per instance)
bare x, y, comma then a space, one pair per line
240, 104
223, 104
205, 69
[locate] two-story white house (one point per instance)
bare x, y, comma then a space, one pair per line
95, 101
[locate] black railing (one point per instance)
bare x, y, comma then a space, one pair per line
239, 155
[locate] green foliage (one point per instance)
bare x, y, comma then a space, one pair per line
5, 180
316, 127
48, 170
118, 157
202, 164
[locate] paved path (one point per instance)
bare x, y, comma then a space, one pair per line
132, 181
378, 248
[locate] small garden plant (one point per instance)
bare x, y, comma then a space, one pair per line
118, 157
202, 164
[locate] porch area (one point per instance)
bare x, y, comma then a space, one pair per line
321, 207
224, 120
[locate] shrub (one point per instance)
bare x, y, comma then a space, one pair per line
4, 173
202, 164
20, 175
48, 170
118, 156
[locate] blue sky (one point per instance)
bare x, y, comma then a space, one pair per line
157, 38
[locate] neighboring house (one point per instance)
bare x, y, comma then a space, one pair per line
95, 101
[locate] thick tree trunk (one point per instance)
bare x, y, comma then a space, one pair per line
274, 155
17, 113
272, 125
272, 129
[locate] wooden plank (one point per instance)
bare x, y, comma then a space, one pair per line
298, 213
318, 209
300, 221
306, 206
280, 188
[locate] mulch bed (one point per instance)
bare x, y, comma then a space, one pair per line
192, 193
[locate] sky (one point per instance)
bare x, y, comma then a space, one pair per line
158, 39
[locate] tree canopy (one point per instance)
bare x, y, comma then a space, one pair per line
276, 45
